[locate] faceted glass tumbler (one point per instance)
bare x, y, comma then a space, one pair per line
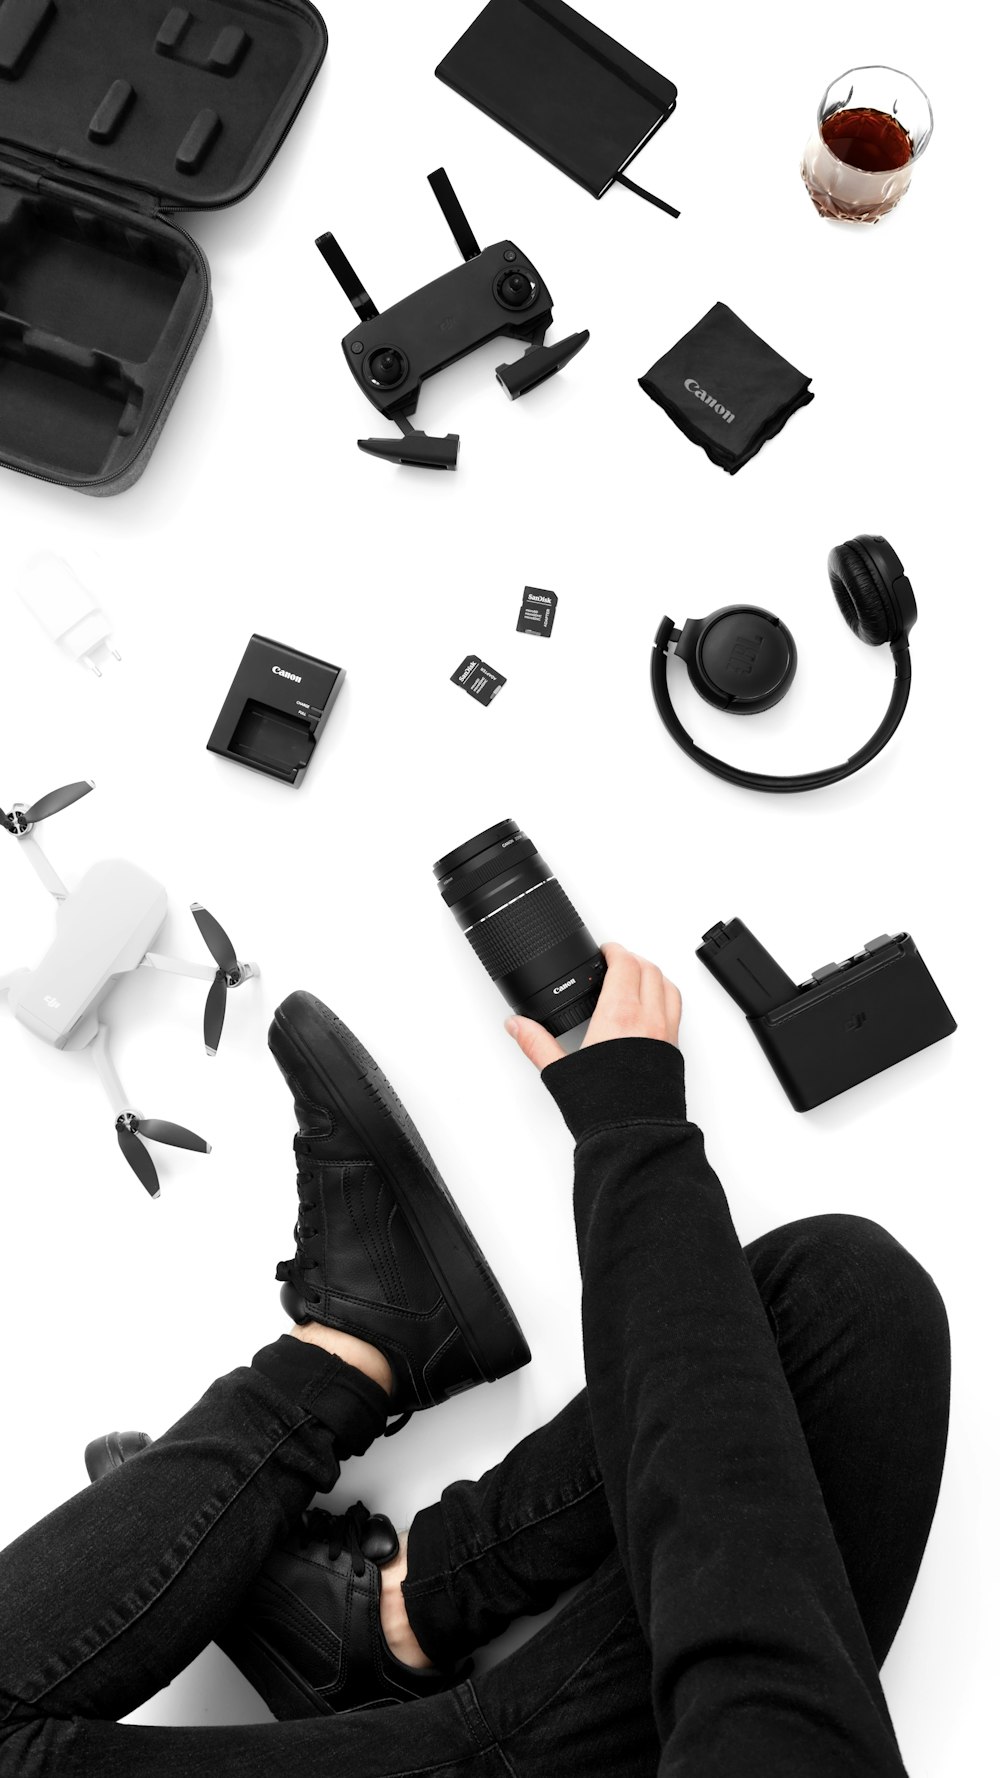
872, 126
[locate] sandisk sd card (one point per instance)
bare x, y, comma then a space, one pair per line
538, 612
480, 681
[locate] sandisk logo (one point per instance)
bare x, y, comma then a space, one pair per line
564, 985
694, 388
296, 678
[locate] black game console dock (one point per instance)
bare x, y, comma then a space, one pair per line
113, 115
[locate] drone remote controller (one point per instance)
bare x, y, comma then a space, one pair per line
496, 291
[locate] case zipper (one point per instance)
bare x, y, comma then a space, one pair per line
19, 172
129, 197
47, 178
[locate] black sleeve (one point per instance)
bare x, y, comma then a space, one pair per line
760, 1660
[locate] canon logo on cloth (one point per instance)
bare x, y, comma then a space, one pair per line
295, 677
691, 383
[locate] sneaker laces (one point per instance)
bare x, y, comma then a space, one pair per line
305, 1231
339, 1531
289, 1271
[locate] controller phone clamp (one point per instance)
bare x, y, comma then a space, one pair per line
496, 291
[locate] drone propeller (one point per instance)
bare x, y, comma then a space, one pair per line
19, 820
130, 1128
229, 974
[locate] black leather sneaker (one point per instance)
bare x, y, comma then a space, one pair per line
110, 1452
308, 1636
381, 1249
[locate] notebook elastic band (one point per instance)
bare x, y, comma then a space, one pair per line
648, 195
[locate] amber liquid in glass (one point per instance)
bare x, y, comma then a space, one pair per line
870, 140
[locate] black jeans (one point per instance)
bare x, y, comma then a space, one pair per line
745, 1491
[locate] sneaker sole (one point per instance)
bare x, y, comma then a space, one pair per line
305, 1031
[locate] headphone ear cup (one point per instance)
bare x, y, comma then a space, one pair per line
860, 595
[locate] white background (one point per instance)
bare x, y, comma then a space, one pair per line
258, 512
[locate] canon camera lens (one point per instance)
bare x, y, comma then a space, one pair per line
523, 927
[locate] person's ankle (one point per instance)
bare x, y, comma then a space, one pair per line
396, 1627
358, 1353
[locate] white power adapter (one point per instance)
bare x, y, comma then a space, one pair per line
67, 612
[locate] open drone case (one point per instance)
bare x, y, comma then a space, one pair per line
114, 116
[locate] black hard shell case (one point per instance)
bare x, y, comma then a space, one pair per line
115, 115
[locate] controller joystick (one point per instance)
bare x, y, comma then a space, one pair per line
386, 368
496, 291
516, 290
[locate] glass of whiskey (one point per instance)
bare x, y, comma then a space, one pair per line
872, 125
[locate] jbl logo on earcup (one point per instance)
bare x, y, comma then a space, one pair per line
744, 656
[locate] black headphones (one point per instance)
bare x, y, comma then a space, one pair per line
743, 659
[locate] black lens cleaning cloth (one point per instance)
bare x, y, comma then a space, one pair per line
569, 91
726, 388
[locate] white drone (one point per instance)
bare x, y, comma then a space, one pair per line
103, 931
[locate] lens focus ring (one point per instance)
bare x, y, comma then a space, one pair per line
470, 878
518, 933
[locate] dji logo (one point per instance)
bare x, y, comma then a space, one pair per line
744, 656
856, 1020
50, 1000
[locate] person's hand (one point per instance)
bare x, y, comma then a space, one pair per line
636, 1000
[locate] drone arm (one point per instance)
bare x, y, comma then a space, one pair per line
199, 972
42, 868
107, 1072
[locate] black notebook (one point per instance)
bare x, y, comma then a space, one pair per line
565, 88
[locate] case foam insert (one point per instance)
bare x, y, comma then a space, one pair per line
95, 310
61, 61
110, 112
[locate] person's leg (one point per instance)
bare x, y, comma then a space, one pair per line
862, 1336
760, 1660
104, 1601
447, 1736
508, 1545
113, 1594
